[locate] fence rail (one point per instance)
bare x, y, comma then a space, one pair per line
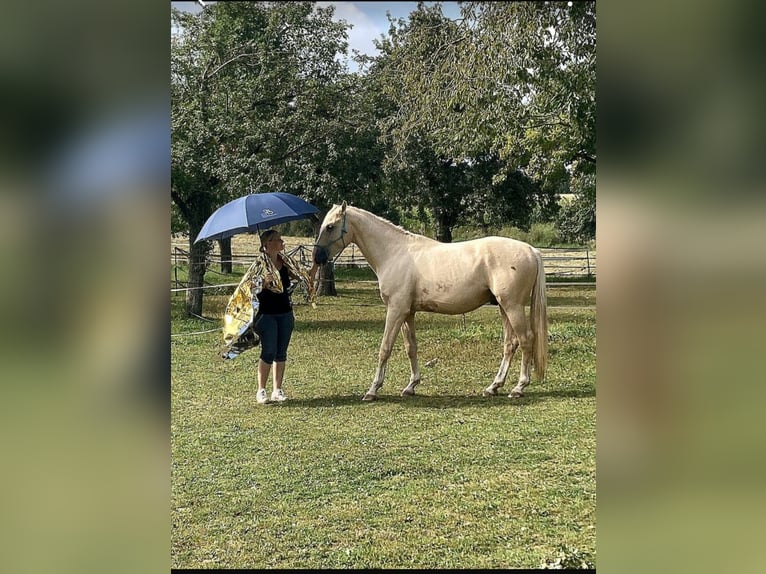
558, 261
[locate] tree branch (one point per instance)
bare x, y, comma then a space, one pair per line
586, 156
181, 204
207, 75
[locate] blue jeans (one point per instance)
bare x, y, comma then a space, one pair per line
275, 331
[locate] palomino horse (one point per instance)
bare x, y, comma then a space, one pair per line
416, 273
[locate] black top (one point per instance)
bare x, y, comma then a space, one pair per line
276, 303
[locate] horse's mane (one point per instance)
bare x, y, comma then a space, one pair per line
397, 228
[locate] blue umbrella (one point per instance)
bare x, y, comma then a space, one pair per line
251, 212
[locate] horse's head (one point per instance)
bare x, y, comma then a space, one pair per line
332, 235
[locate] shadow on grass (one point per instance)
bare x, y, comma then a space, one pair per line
439, 401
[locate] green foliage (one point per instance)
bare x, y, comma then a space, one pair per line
543, 235
577, 218
445, 479
256, 95
260, 103
298, 228
177, 223
501, 200
539, 234
513, 81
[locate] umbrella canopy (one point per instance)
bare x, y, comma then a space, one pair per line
251, 212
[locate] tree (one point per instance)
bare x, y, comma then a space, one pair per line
510, 80
577, 219
497, 201
353, 168
429, 184
543, 55
255, 89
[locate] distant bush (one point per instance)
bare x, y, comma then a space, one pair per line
539, 234
574, 226
543, 235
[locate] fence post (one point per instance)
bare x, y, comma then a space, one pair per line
587, 259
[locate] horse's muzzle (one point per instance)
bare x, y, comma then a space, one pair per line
320, 255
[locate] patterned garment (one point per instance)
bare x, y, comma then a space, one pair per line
238, 335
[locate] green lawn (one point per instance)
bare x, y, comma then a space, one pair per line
445, 479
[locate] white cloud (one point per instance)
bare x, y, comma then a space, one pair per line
364, 29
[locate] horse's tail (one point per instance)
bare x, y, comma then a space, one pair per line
539, 318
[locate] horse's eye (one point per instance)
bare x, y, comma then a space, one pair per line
329, 227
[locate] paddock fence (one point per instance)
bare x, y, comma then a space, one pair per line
563, 265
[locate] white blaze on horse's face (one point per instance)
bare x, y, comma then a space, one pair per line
331, 240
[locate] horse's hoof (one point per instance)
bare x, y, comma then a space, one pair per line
369, 397
408, 392
489, 392
516, 394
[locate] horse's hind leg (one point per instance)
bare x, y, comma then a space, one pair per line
411, 346
510, 344
520, 325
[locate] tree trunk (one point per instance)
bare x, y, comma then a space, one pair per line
443, 229
197, 254
327, 280
326, 275
225, 247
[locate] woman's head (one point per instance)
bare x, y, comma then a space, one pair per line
271, 240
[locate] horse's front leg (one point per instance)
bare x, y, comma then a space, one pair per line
394, 320
411, 345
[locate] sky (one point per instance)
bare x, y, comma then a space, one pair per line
368, 19
370, 22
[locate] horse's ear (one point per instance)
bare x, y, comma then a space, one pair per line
343, 207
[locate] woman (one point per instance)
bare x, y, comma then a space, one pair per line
275, 320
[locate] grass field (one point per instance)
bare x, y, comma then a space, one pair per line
445, 479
